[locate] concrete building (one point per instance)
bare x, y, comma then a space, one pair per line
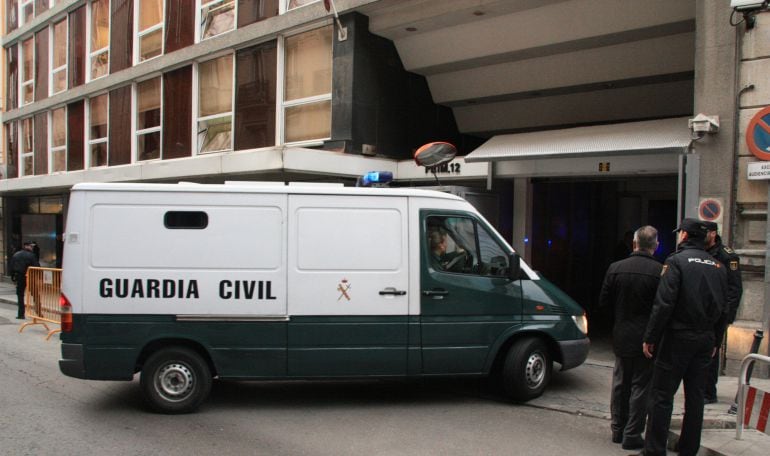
570, 116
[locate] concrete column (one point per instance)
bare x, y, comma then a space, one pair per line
750, 229
715, 80
719, 75
522, 211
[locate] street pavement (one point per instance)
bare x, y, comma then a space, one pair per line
585, 391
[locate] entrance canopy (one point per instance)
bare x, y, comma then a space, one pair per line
648, 137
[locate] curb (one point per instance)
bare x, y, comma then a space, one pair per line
571, 411
717, 422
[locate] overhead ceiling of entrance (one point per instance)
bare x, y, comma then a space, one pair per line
518, 65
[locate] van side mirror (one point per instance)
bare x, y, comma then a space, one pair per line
514, 266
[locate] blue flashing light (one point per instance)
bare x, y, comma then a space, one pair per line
549, 243
526, 240
376, 178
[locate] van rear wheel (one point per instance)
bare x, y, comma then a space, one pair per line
527, 369
175, 380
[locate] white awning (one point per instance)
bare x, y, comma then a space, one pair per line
653, 136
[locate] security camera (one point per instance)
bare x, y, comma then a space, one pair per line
748, 5
702, 124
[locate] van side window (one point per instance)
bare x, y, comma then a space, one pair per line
460, 245
186, 220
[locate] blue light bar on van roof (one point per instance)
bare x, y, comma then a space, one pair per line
376, 178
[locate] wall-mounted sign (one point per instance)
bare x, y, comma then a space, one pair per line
456, 169
758, 134
710, 210
758, 171
452, 167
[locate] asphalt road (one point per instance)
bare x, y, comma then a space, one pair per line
43, 412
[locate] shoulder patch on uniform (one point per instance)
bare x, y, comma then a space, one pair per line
663, 271
734, 265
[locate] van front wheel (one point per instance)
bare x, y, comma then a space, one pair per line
175, 380
527, 369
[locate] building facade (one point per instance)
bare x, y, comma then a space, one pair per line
570, 116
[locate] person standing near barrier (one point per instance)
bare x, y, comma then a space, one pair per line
684, 332
731, 262
629, 287
20, 262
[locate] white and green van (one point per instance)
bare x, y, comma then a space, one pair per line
188, 282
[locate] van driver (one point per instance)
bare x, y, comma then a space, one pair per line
440, 259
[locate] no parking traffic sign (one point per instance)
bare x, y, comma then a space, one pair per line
758, 134
710, 210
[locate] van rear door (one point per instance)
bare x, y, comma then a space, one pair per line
348, 280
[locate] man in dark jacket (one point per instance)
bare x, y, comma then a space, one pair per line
684, 331
20, 261
629, 287
732, 263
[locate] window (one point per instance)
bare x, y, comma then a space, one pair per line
307, 86
256, 70
98, 43
11, 150
215, 104
186, 220
57, 140
58, 64
215, 17
26, 149
297, 3
149, 29
255, 11
27, 11
12, 12
12, 74
461, 245
27, 71
148, 119
96, 132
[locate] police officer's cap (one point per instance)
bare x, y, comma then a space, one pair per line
28, 243
711, 226
693, 227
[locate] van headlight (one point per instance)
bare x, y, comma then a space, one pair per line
581, 321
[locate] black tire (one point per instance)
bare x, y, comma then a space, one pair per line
527, 369
175, 380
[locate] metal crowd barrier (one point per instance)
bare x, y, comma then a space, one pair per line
41, 300
743, 386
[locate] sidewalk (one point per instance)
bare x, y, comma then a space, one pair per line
585, 390
7, 291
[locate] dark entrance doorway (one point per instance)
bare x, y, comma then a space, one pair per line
579, 226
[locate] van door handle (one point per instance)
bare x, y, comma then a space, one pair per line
392, 291
435, 292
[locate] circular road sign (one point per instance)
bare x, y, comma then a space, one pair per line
710, 210
758, 134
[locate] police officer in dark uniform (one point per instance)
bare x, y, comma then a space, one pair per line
20, 262
685, 328
732, 263
629, 287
